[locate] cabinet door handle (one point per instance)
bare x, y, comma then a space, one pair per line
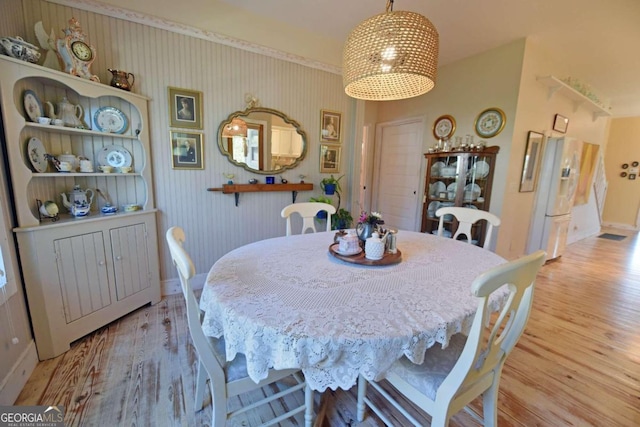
118, 258
101, 263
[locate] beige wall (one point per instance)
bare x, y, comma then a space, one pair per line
505, 77
463, 90
623, 195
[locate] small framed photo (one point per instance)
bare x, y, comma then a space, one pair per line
330, 126
186, 150
329, 158
185, 108
560, 123
531, 164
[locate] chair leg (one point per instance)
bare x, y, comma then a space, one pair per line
490, 404
201, 385
362, 392
308, 409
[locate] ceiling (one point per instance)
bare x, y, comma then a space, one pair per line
599, 39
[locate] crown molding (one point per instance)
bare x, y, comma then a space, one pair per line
187, 30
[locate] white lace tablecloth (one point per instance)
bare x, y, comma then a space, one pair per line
287, 303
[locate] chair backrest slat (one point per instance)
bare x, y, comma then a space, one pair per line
186, 270
490, 342
307, 211
466, 218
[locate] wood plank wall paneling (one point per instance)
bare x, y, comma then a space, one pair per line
161, 58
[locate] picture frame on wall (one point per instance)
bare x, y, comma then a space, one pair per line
186, 150
330, 158
560, 123
330, 126
185, 108
531, 163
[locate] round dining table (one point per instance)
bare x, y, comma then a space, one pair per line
287, 302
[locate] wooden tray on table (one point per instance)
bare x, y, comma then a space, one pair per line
359, 258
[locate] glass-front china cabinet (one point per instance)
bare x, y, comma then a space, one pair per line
458, 178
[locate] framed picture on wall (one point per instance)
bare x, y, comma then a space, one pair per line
186, 150
531, 164
329, 158
330, 126
560, 123
185, 108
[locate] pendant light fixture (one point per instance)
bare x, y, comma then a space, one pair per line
237, 127
393, 55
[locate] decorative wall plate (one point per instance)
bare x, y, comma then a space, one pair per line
114, 155
35, 153
110, 119
32, 105
481, 168
444, 127
490, 122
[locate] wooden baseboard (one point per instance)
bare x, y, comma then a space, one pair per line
20, 372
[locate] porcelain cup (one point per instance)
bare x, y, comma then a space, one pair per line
126, 169
106, 169
57, 122
349, 244
86, 166
44, 120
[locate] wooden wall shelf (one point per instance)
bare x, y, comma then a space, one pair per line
236, 189
556, 85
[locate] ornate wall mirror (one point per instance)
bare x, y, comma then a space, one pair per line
262, 140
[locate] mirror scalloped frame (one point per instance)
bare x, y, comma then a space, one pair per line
245, 115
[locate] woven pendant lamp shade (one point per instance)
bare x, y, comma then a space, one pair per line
393, 55
237, 127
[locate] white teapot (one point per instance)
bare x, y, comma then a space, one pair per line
70, 114
374, 246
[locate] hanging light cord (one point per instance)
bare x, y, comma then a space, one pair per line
389, 7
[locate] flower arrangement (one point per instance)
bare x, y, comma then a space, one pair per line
371, 218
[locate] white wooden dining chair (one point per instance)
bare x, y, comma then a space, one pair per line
450, 378
466, 217
307, 211
226, 378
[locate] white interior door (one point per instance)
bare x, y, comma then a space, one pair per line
398, 173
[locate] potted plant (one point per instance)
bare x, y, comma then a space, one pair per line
331, 185
341, 219
321, 199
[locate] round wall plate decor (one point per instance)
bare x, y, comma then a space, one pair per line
444, 127
490, 122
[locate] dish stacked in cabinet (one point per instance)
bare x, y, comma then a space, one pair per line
457, 178
81, 272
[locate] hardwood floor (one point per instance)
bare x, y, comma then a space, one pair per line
578, 363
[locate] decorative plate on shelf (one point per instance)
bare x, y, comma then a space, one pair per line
444, 127
32, 105
36, 154
110, 119
490, 122
482, 168
114, 155
437, 187
436, 169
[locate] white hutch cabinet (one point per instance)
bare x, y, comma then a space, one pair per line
80, 273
